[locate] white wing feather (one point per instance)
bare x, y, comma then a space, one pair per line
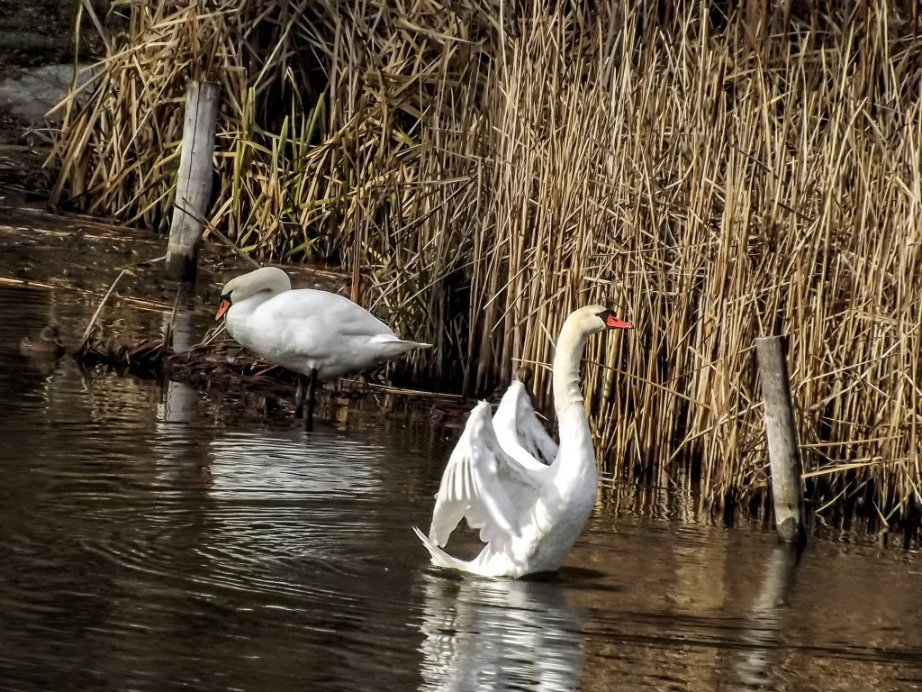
520, 432
483, 485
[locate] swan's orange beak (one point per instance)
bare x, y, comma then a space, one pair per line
613, 322
222, 308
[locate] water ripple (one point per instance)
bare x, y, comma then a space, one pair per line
153, 538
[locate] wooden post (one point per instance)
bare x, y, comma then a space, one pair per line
193, 189
781, 431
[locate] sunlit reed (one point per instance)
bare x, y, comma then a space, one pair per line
480, 169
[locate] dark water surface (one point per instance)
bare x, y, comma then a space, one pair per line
154, 539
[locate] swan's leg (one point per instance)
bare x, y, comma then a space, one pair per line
299, 395
311, 399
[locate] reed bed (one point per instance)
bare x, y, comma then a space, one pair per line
715, 172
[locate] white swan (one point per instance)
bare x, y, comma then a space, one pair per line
529, 514
317, 334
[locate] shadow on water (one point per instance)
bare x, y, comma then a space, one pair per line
158, 537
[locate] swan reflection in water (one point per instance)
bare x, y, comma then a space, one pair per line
484, 634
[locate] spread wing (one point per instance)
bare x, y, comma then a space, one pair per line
519, 430
482, 484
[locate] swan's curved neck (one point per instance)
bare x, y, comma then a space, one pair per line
242, 311
568, 397
251, 302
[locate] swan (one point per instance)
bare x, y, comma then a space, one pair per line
529, 514
317, 334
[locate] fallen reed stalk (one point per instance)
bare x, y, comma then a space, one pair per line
92, 322
482, 169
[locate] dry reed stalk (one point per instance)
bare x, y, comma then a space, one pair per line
482, 169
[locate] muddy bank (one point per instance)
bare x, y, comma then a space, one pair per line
54, 251
48, 251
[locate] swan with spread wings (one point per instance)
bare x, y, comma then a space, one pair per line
529, 497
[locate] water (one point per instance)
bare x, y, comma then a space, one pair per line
158, 539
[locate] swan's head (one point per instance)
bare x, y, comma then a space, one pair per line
596, 318
269, 280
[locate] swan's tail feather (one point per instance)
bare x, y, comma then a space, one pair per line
392, 347
439, 557
407, 346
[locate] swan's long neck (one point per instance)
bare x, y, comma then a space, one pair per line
254, 301
240, 312
568, 397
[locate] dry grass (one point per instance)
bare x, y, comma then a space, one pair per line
482, 169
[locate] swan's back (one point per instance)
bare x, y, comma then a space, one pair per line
329, 313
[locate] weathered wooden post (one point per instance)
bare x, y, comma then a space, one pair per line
781, 431
193, 189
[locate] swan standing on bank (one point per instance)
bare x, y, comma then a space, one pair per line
529, 514
319, 335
